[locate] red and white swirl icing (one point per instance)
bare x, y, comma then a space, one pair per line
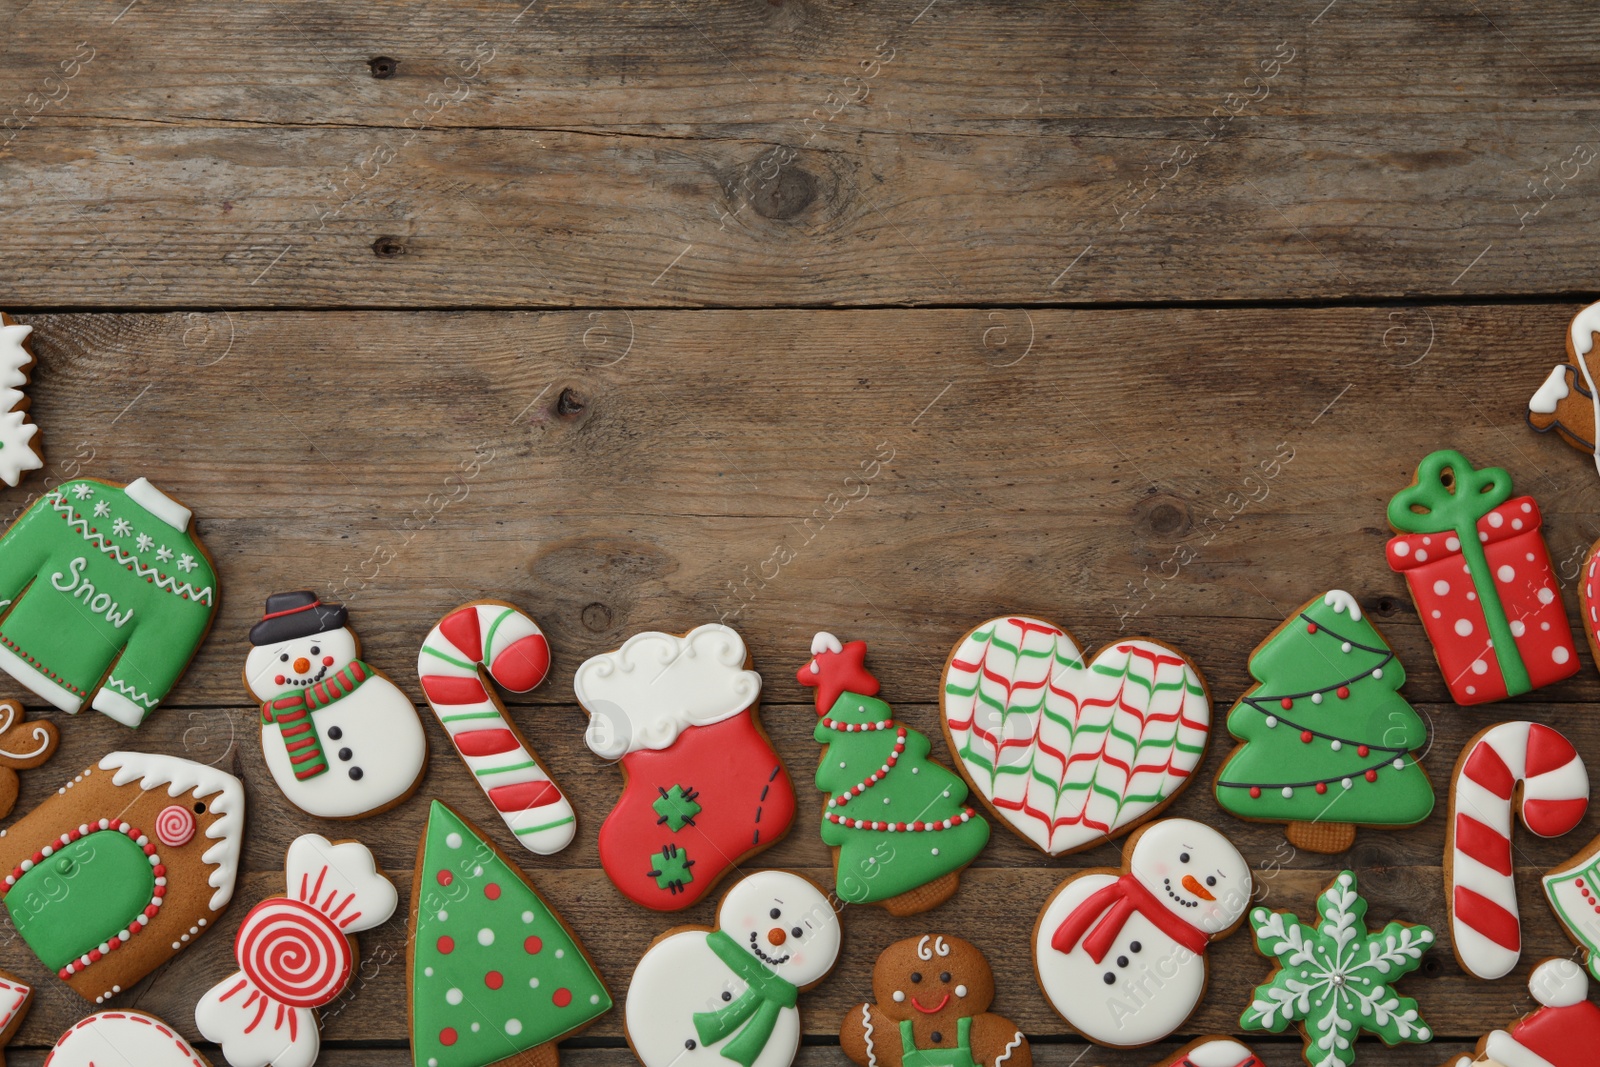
175, 825
293, 953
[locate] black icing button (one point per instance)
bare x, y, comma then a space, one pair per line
345, 754
335, 733
1111, 979
355, 774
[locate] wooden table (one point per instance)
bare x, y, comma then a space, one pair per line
593, 307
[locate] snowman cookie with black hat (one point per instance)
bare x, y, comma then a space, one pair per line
341, 740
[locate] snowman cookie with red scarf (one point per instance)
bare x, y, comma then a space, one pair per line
934, 993
1121, 955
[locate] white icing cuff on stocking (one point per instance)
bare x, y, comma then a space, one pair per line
1504, 1050
159, 504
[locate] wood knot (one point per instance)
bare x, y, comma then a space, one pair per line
1383, 607
1162, 516
596, 617
784, 195
570, 404
388, 248
383, 66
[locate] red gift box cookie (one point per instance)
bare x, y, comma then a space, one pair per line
1481, 578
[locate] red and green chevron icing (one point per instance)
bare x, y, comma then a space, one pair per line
1070, 752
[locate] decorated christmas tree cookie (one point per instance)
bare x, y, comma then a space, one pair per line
110, 594
341, 740
494, 974
1333, 977
1326, 741
20, 451
1106, 938
898, 822
933, 996
125, 866
727, 996
1514, 768
1480, 574
1564, 1031
704, 790
1069, 752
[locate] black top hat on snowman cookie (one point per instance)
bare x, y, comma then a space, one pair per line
299, 614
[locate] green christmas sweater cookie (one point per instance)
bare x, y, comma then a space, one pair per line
107, 594
493, 971
1326, 741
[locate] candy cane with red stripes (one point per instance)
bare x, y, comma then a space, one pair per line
1480, 889
494, 636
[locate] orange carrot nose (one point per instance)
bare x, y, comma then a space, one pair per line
776, 936
302, 665
1192, 884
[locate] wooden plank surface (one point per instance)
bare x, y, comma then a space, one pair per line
672, 154
616, 471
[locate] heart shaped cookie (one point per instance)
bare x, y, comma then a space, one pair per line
1069, 752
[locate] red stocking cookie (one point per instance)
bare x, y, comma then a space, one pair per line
296, 953
933, 995
19, 437
110, 594
704, 790
116, 1038
126, 865
1213, 1051
341, 740
1563, 1032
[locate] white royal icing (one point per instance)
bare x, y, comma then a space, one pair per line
123, 1037
1551, 393
159, 504
16, 431
1123, 1013
1581, 337
1343, 602
680, 975
222, 792
643, 695
1072, 727
377, 726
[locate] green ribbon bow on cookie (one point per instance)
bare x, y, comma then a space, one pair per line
1449, 496
756, 1009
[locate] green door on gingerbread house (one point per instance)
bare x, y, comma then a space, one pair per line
81, 897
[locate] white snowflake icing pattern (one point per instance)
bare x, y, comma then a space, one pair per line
186, 562
1333, 977
163, 553
102, 509
82, 492
122, 527
143, 542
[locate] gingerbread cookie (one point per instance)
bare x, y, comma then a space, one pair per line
1333, 977
16, 997
24, 744
1326, 742
1563, 1032
126, 865
494, 638
1589, 600
708, 996
1513, 768
703, 790
341, 740
1213, 1051
1106, 937
20, 451
933, 995
897, 821
116, 1038
1069, 752
493, 973
1480, 574
1573, 890
296, 953
110, 594
1567, 400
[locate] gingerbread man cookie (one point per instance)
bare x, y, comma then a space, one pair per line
24, 744
933, 995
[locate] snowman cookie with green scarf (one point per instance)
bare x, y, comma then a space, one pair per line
341, 740
707, 998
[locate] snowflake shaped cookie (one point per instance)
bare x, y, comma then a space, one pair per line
1333, 977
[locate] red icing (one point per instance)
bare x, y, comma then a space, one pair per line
524, 795
487, 742
532, 945
839, 672
562, 998
523, 664
737, 777
494, 979
447, 1036
447, 944
1488, 918
1486, 845
1552, 818
445, 878
1547, 750
1561, 1035
445, 689
460, 628
1486, 768
491, 891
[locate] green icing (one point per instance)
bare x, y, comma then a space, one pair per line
489, 953
670, 868
677, 807
1333, 977
879, 864
1308, 669
81, 896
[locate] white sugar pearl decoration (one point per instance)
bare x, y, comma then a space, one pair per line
1345, 647
1288, 791
1337, 744
899, 996
1272, 720
1316, 698
486, 937
961, 990
1347, 783
453, 840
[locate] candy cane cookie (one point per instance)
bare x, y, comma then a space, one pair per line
1480, 889
493, 636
